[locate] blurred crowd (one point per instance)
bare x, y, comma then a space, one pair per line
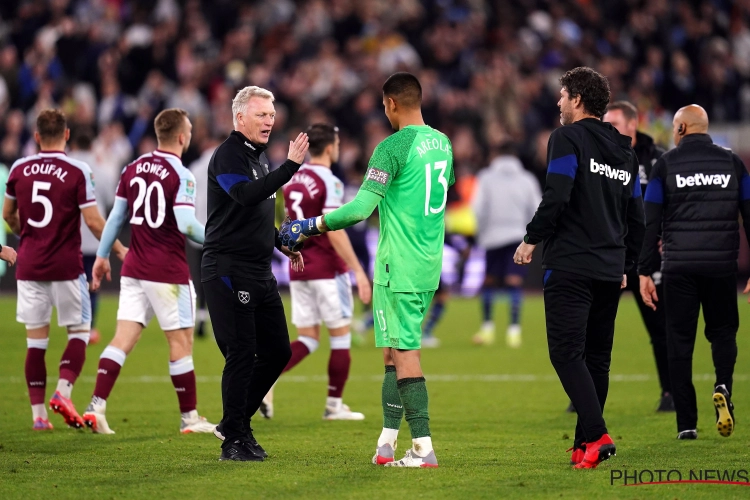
489, 68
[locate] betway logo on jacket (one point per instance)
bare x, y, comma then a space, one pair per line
612, 173
704, 180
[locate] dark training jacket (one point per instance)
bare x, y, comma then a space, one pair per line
240, 230
648, 153
591, 215
694, 198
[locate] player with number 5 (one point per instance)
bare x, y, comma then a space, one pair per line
407, 179
158, 194
45, 197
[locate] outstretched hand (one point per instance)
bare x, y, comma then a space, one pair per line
291, 235
298, 148
294, 232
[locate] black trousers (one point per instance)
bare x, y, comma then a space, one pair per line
580, 314
656, 325
684, 294
250, 328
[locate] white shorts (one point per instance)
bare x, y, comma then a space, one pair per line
70, 298
173, 305
322, 301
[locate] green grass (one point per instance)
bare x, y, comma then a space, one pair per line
497, 419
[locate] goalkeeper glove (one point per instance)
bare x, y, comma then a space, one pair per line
294, 233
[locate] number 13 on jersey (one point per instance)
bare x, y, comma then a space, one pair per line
429, 170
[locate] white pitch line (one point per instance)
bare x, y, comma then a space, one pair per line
490, 377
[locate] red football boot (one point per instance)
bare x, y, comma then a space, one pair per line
64, 407
597, 452
578, 453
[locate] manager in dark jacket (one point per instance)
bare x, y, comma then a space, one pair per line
591, 222
694, 197
245, 307
624, 117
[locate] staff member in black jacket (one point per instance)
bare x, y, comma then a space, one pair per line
591, 222
694, 196
624, 117
243, 301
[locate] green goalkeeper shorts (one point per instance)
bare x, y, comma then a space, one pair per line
398, 317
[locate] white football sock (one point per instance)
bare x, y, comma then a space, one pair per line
334, 404
422, 445
388, 436
190, 416
99, 404
65, 388
39, 411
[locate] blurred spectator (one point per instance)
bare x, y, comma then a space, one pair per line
507, 196
488, 67
104, 185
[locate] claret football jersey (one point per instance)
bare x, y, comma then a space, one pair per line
312, 191
153, 186
50, 190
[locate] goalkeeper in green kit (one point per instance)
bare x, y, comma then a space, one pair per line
407, 179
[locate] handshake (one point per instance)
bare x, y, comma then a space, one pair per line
293, 233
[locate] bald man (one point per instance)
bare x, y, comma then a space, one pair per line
694, 197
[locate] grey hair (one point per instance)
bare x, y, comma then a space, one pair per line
239, 103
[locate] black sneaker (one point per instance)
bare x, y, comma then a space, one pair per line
666, 403
690, 434
239, 451
253, 445
724, 411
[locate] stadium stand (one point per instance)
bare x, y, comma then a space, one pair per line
489, 68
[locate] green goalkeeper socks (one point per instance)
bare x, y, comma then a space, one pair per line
393, 410
413, 393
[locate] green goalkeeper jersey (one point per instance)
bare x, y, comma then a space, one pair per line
412, 170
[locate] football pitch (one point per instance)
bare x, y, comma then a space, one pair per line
497, 419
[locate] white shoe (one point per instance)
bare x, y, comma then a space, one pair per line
485, 335
343, 413
430, 342
95, 419
411, 459
513, 336
195, 423
266, 406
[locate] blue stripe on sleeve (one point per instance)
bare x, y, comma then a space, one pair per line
565, 165
745, 187
637, 188
654, 191
112, 227
226, 181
